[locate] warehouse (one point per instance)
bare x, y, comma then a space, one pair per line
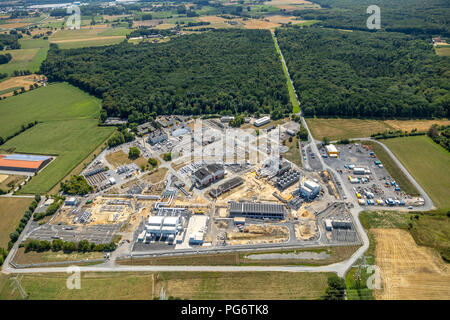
261, 121
332, 151
257, 210
23, 162
226, 186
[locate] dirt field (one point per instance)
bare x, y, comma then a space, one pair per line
17, 82
119, 158
420, 125
11, 211
11, 180
258, 234
335, 129
156, 176
407, 270
292, 4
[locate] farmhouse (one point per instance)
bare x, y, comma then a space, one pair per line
23, 162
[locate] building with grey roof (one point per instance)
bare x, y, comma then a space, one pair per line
257, 210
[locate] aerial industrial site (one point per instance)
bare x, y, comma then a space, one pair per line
223, 189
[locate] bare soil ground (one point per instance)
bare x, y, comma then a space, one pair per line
407, 270
22, 81
119, 158
420, 125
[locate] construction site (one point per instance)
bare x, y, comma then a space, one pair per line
220, 187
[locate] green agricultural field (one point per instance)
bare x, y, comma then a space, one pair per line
68, 129
70, 140
90, 42
428, 163
185, 285
59, 101
29, 57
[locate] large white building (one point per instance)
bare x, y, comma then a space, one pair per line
309, 190
261, 121
163, 227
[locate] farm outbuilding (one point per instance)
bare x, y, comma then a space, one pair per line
23, 162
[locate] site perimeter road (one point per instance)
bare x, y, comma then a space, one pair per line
339, 268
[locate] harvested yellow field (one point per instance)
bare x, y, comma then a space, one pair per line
292, 4
212, 19
3, 177
260, 24
17, 82
407, 270
420, 125
88, 39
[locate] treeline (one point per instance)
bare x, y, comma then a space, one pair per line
440, 135
397, 133
406, 16
51, 210
67, 246
9, 41
223, 71
22, 129
361, 74
120, 137
5, 58
146, 31
76, 185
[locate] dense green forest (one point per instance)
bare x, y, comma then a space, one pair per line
222, 71
361, 74
9, 41
421, 17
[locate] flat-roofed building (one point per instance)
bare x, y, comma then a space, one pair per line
261, 121
23, 162
157, 136
332, 150
208, 174
257, 210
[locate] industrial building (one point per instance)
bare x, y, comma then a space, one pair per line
257, 210
227, 119
287, 179
226, 186
72, 201
208, 174
23, 162
261, 121
332, 151
163, 227
309, 190
157, 136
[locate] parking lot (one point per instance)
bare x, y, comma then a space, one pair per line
365, 176
97, 234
